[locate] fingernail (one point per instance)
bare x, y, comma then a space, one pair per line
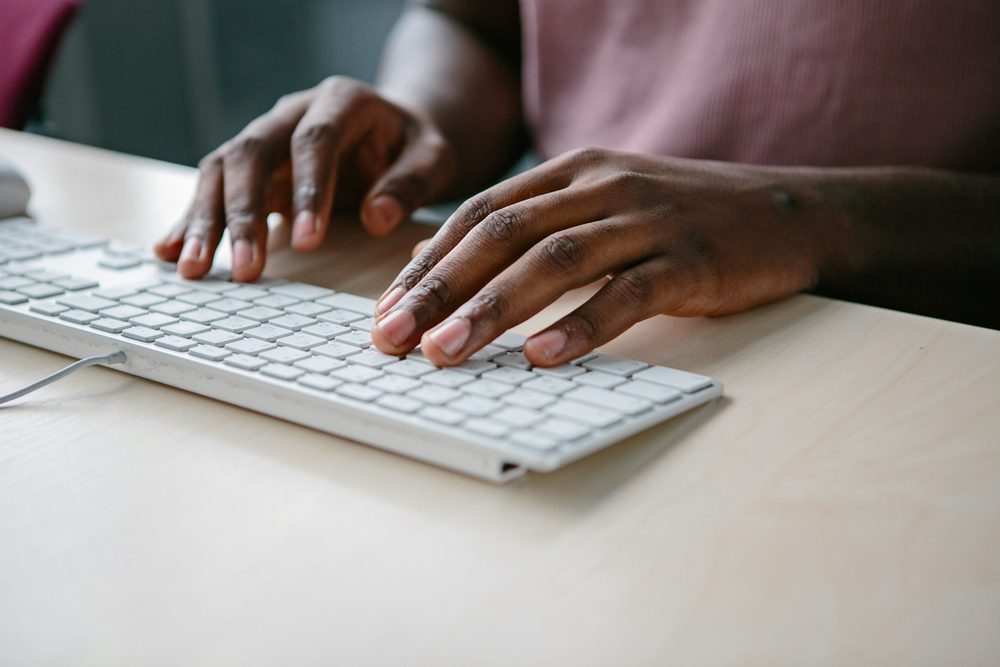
192, 250
389, 300
452, 335
242, 253
398, 326
388, 212
306, 225
549, 343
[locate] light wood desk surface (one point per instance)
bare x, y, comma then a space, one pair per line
840, 506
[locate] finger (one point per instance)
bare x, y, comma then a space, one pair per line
564, 261
203, 204
540, 180
204, 221
418, 248
654, 286
419, 174
480, 256
340, 116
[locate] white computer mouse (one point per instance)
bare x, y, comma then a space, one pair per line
14, 192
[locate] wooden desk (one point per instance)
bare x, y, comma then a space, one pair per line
840, 506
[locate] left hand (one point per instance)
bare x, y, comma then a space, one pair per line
674, 236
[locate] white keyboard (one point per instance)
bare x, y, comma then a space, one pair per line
303, 353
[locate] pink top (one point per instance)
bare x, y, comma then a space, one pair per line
792, 82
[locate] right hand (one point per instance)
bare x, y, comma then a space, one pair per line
338, 144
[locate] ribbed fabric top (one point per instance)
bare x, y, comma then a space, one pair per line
791, 82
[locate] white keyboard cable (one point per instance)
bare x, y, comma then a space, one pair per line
113, 358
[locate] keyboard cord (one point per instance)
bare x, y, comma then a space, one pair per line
113, 358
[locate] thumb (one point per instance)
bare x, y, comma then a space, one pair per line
419, 174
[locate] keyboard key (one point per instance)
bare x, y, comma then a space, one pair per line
442, 415
175, 343
533, 440
203, 315
145, 334
197, 298
153, 320
487, 353
517, 416
302, 341
322, 365
394, 384
281, 371
475, 406
358, 374
526, 398
321, 382
234, 324
350, 302
444, 377
259, 313
399, 403
172, 308
293, 322
11, 298
337, 316
508, 375
75, 316
488, 388
599, 379
326, 330
474, 367
210, 352
549, 385
245, 293
357, 338
614, 365
229, 306
110, 325
514, 359
15, 282
610, 399
184, 328
123, 312
373, 359
245, 362
47, 308
563, 371
651, 391
300, 291
44, 275
487, 427
365, 324
40, 291
216, 337
561, 429
306, 308
510, 341
72, 284
142, 300
434, 395
416, 354
250, 346
114, 293
336, 350
280, 301
168, 290
267, 332
283, 355
119, 263
583, 413
686, 382
89, 303
408, 368
359, 392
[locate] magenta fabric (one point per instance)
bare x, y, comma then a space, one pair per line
29, 33
781, 82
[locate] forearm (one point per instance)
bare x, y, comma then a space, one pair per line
915, 239
434, 65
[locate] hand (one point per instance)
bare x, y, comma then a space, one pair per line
674, 236
337, 144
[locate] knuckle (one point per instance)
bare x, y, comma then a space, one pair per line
433, 291
585, 156
582, 324
211, 161
239, 216
562, 251
414, 272
313, 134
489, 305
635, 289
472, 212
245, 145
504, 225
305, 194
408, 187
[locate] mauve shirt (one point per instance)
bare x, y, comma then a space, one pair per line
789, 82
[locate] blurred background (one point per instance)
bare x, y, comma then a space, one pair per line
172, 79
